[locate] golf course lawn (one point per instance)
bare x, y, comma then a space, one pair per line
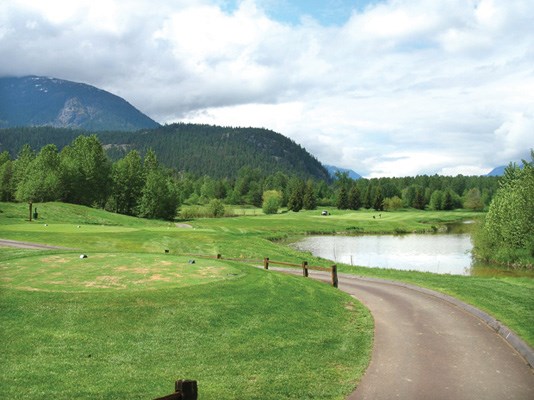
142, 310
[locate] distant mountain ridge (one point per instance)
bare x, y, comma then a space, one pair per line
332, 170
42, 101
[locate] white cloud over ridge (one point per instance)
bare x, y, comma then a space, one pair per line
403, 87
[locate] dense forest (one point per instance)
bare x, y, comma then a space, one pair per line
83, 173
219, 152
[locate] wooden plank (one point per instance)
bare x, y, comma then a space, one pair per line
320, 268
285, 263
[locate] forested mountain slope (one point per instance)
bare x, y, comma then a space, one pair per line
200, 149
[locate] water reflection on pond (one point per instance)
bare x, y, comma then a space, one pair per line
438, 253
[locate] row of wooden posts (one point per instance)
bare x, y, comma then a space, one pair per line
266, 262
305, 268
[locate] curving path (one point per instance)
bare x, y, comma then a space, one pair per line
428, 348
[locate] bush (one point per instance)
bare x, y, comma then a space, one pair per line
271, 201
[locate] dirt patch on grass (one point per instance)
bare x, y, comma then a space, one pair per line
55, 259
105, 282
187, 226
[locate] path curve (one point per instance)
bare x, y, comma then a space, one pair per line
428, 348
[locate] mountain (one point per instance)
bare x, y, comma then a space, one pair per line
40, 101
332, 171
497, 171
216, 151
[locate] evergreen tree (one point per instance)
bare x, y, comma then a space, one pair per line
378, 201
310, 200
367, 197
355, 202
295, 200
342, 199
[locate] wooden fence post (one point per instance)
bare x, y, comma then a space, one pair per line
183, 390
188, 389
334, 276
266, 263
305, 268
218, 256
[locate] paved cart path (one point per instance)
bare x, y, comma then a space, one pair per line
428, 348
27, 245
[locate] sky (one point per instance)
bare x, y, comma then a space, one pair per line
383, 87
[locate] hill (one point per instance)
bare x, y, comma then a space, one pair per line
41, 101
199, 149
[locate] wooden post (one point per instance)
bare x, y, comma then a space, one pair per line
31, 205
218, 256
305, 268
266, 263
334, 276
188, 389
183, 390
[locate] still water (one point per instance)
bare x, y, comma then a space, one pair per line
438, 253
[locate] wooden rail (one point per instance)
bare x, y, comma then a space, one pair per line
266, 262
305, 268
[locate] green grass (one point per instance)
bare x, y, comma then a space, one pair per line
260, 336
118, 324
129, 320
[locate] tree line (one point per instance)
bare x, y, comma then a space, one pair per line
139, 185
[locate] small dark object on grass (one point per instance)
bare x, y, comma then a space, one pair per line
83, 255
191, 261
166, 251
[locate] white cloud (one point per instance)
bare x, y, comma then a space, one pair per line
403, 87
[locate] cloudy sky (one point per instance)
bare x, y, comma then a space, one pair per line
384, 87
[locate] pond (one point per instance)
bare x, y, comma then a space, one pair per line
446, 253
